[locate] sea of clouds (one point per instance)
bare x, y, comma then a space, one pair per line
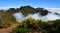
50, 16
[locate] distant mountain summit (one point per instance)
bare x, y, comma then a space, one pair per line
27, 11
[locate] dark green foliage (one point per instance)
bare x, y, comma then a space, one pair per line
52, 27
27, 25
20, 30
44, 26
30, 24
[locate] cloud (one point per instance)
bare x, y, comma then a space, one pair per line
19, 17
54, 9
51, 16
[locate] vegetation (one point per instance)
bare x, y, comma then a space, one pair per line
38, 25
7, 15
29, 25
20, 30
6, 19
5, 24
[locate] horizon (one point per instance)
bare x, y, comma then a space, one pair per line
27, 5
49, 9
46, 4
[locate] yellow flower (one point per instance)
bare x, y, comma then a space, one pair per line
30, 23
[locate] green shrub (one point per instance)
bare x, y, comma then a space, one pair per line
5, 24
20, 30
38, 25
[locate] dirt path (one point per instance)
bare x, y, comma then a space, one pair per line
8, 30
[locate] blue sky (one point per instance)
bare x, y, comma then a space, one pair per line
33, 3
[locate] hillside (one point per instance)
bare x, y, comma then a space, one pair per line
27, 19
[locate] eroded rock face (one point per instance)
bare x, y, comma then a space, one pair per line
25, 10
42, 11
12, 10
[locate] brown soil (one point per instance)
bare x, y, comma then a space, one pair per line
8, 30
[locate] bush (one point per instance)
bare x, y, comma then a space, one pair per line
20, 30
38, 25
5, 24
52, 26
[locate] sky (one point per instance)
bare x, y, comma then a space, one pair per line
33, 3
53, 4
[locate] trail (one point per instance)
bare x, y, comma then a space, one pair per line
9, 29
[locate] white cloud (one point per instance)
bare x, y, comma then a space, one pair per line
54, 9
51, 16
19, 17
